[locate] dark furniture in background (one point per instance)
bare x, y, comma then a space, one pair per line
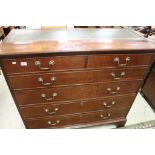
7, 29
146, 30
74, 78
2, 34
148, 89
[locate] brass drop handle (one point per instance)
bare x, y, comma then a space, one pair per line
117, 60
49, 99
52, 112
117, 78
106, 105
53, 123
50, 63
41, 80
113, 92
105, 117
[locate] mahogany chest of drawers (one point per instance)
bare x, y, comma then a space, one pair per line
74, 78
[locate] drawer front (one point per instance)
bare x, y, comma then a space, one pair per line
77, 119
120, 60
26, 65
77, 107
70, 78
76, 92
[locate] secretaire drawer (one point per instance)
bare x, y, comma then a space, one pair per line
118, 60
77, 119
76, 92
40, 64
76, 77
52, 109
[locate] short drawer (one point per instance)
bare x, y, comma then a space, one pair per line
76, 77
77, 119
119, 60
42, 64
52, 109
78, 92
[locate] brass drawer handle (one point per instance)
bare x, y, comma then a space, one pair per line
50, 63
53, 123
41, 80
105, 117
52, 112
49, 99
113, 92
117, 60
117, 78
106, 105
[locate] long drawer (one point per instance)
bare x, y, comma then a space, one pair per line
77, 119
37, 64
51, 109
80, 92
76, 77
120, 60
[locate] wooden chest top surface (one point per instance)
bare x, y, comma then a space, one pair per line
21, 42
